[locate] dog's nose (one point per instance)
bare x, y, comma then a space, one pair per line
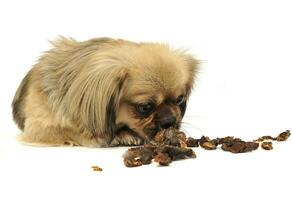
167, 122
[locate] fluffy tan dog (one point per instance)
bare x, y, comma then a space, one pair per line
103, 92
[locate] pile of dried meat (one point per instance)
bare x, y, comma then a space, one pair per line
170, 145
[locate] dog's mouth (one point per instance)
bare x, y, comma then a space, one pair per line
148, 132
151, 131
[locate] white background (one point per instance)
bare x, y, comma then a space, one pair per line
244, 89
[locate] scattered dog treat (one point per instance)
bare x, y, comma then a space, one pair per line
228, 139
191, 142
170, 145
267, 145
163, 159
133, 162
174, 152
167, 146
96, 168
170, 137
208, 144
236, 145
263, 138
239, 146
181, 136
283, 136
138, 156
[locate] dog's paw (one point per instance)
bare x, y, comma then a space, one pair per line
126, 139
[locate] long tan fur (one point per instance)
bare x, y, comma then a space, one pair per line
74, 93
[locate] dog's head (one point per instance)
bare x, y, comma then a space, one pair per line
143, 87
156, 89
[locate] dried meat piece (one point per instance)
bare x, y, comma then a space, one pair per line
171, 137
239, 146
176, 153
167, 137
227, 139
267, 145
265, 137
137, 156
191, 142
251, 146
162, 159
283, 136
182, 139
207, 143
170, 145
203, 139
159, 137
181, 135
167, 145
133, 162
96, 168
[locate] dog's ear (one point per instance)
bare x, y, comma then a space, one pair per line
192, 67
94, 97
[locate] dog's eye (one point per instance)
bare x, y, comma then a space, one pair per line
145, 109
180, 100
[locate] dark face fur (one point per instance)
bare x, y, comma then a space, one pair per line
154, 93
148, 116
157, 105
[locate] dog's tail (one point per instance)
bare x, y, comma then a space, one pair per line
18, 102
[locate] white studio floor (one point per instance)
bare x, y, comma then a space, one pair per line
243, 89
65, 173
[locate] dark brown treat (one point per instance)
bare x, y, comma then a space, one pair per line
283, 136
146, 156
176, 153
181, 135
162, 159
171, 137
215, 142
167, 145
263, 138
183, 144
168, 137
239, 146
182, 139
139, 155
170, 145
204, 139
159, 137
191, 142
208, 144
251, 146
150, 145
267, 145
233, 147
135, 162
96, 168
227, 139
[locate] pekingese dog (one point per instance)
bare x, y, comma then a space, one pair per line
103, 92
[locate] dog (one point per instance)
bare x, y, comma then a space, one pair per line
103, 92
